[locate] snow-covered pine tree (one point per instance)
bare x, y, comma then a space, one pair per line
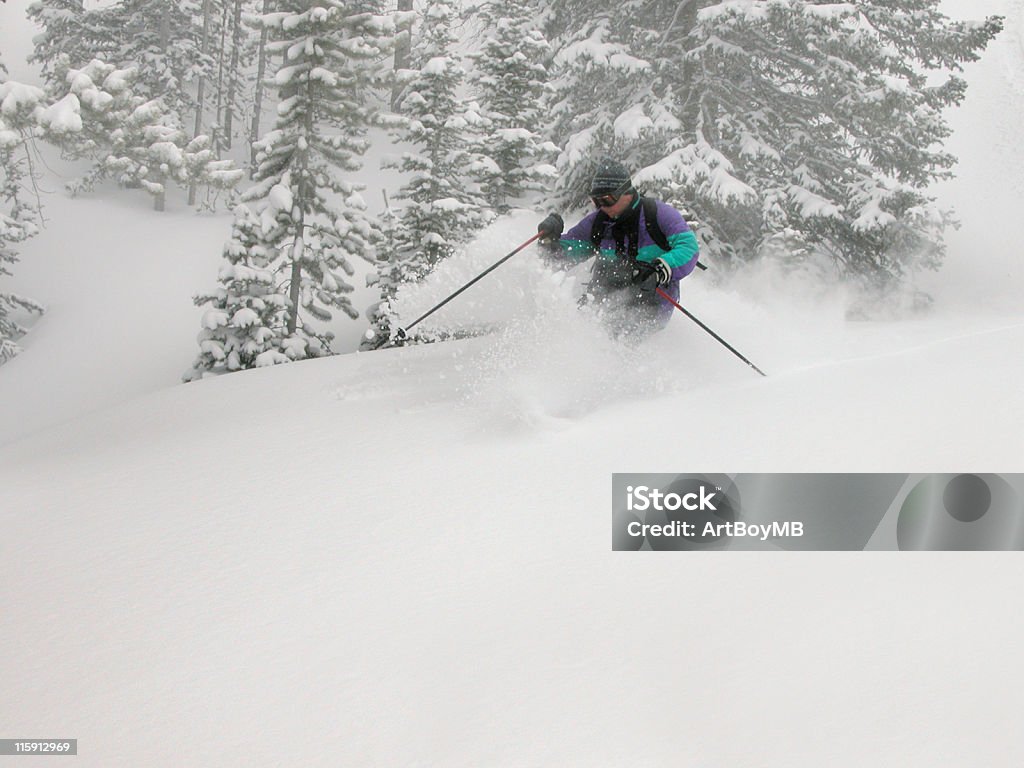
148, 152
134, 140
387, 278
56, 47
596, 85
19, 105
817, 121
71, 36
202, 168
445, 206
315, 219
244, 323
162, 40
509, 78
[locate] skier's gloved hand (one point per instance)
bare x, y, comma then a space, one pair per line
663, 271
644, 282
551, 228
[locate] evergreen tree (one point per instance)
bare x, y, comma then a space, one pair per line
19, 105
596, 79
312, 219
815, 124
57, 45
388, 277
243, 326
71, 36
445, 205
162, 40
510, 77
134, 140
150, 151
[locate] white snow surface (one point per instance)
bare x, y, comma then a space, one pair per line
402, 558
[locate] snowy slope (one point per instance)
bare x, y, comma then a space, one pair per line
116, 279
403, 558
376, 560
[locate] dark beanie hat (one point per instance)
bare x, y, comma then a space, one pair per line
611, 178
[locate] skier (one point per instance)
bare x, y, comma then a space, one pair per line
641, 244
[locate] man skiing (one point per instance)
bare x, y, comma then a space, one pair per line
641, 244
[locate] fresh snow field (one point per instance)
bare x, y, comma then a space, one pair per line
403, 558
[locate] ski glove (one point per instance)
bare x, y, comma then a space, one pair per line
551, 228
644, 291
663, 271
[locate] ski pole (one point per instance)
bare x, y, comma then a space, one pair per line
717, 338
402, 333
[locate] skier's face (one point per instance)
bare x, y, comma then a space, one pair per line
614, 209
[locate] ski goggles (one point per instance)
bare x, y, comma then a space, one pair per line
604, 201
608, 200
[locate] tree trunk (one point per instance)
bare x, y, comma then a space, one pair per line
690, 100
236, 45
296, 275
165, 28
261, 71
218, 128
301, 202
201, 90
403, 52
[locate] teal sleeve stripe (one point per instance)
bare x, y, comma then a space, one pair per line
578, 250
684, 249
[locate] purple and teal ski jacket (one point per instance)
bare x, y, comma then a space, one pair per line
682, 257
